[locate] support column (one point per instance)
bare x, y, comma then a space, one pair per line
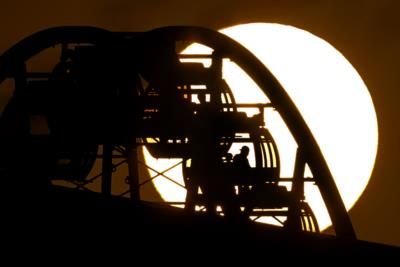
297, 193
107, 167
132, 159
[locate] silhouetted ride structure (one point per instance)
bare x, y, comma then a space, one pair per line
110, 95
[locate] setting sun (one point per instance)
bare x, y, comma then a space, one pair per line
331, 97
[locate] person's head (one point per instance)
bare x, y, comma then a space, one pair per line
245, 150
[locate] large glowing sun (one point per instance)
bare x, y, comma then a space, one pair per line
330, 95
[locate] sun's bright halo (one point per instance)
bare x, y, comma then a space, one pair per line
330, 95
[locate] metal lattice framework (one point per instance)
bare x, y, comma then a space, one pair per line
111, 93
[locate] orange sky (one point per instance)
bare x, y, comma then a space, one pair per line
367, 32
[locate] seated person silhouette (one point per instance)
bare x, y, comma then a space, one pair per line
240, 160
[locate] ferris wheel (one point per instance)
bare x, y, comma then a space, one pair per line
107, 96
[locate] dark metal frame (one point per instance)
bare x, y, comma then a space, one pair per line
308, 150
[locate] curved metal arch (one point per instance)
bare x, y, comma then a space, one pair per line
33, 44
272, 148
284, 105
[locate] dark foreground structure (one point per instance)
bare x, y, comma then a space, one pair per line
72, 221
109, 96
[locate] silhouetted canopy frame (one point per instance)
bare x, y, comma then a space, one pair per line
229, 48
283, 104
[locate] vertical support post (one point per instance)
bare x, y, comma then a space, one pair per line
294, 212
132, 159
107, 167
